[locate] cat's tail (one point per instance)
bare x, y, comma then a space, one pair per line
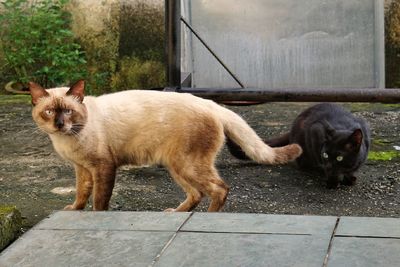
241, 135
237, 152
279, 141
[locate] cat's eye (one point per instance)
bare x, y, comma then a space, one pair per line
49, 112
67, 111
339, 158
325, 155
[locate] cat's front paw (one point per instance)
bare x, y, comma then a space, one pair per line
349, 180
69, 207
169, 210
332, 184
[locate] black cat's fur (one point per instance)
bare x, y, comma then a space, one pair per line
334, 142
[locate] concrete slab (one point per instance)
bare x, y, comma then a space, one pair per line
227, 249
113, 221
204, 239
364, 252
260, 223
85, 248
369, 227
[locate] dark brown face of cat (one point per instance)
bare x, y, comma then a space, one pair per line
59, 113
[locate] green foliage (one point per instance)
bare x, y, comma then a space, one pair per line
392, 21
37, 43
102, 58
142, 31
392, 44
141, 47
135, 73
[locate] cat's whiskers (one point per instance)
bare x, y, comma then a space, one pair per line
38, 131
76, 129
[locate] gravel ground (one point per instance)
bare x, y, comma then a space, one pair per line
37, 181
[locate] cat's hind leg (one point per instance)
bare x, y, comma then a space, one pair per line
193, 196
84, 185
208, 181
216, 189
198, 180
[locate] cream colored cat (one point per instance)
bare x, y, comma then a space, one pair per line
182, 132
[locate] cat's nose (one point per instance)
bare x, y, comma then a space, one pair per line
59, 123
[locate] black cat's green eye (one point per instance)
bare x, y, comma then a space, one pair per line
339, 158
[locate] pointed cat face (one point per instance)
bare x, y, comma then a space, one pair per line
59, 110
340, 154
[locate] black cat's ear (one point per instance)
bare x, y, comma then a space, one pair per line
77, 90
330, 131
355, 140
37, 92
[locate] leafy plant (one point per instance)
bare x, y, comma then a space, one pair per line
135, 73
392, 44
142, 30
37, 43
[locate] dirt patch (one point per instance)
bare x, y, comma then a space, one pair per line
31, 170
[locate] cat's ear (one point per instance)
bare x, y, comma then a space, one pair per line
355, 140
330, 131
77, 90
37, 92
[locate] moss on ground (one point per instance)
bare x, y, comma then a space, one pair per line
10, 225
383, 155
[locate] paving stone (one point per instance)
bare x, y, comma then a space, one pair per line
137, 221
227, 249
85, 248
369, 227
260, 223
205, 239
364, 252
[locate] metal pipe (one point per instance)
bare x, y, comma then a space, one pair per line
298, 95
173, 42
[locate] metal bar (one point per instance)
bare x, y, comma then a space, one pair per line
173, 42
379, 44
298, 95
212, 52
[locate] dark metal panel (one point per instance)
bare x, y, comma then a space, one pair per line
173, 42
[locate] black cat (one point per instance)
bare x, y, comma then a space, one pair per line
334, 142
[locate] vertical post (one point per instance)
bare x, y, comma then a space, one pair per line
173, 42
379, 44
